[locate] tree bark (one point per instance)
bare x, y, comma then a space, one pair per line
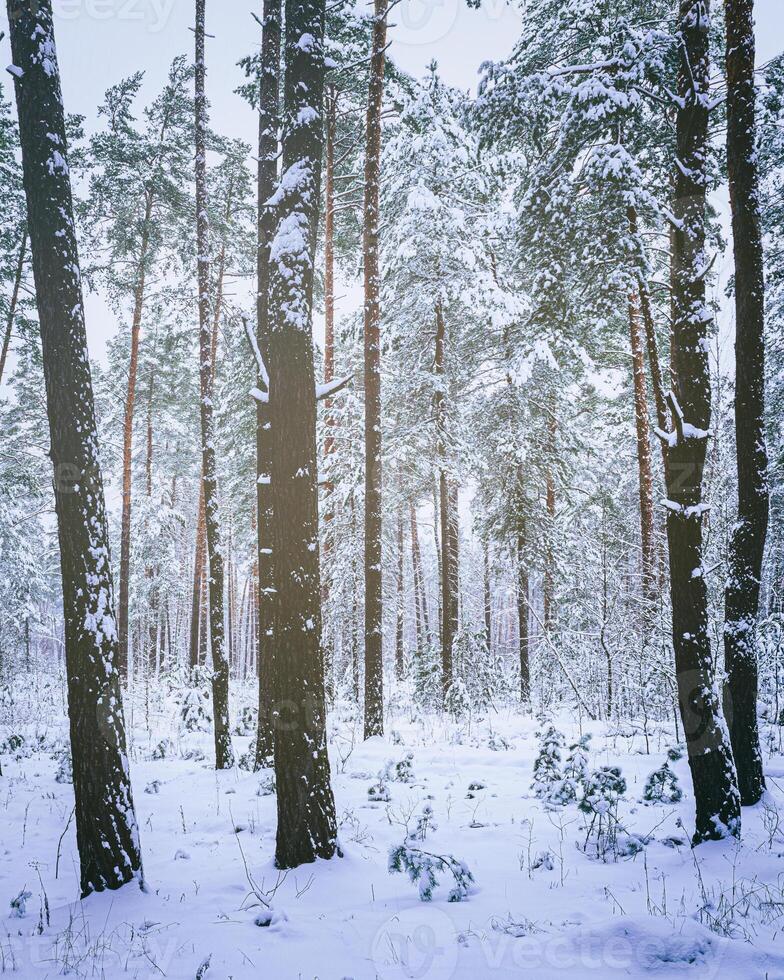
201, 525
644, 462
488, 597
306, 807
152, 615
652, 345
224, 756
127, 452
747, 545
420, 607
331, 107
548, 584
710, 757
374, 675
9, 323
198, 571
327, 531
522, 613
106, 829
447, 495
269, 123
400, 658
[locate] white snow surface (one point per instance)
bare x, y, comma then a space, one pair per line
666, 912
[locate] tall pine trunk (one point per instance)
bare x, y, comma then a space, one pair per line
448, 515
748, 536
400, 659
9, 323
331, 108
521, 558
644, 460
488, 597
420, 607
306, 808
224, 756
127, 452
269, 121
106, 829
710, 757
198, 572
327, 531
374, 673
548, 578
420, 599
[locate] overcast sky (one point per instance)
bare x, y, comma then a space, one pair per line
101, 41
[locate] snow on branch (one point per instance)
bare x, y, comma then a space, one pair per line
260, 365
330, 388
692, 510
683, 429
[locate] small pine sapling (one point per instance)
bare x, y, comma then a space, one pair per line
64, 772
19, 904
163, 749
458, 701
247, 722
602, 792
379, 791
424, 869
404, 770
662, 786
547, 766
497, 743
194, 713
425, 823
575, 773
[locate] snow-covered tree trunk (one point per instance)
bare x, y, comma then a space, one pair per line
306, 807
9, 322
267, 178
327, 532
748, 536
374, 673
331, 106
106, 829
224, 756
710, 757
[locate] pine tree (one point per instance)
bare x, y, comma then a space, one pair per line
13, 232
374, 668
224, 756
306, 808
106, 828
269, 86
747, 546
137, 199
710, 755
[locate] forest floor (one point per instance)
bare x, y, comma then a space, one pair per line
541, 905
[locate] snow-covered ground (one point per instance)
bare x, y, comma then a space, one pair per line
540, 906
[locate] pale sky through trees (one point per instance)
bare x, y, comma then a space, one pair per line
102, 41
